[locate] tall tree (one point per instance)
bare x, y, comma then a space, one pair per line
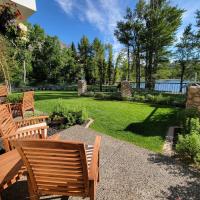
185, 51
84, 48
124, 34
161, 22
110, 65
99, 60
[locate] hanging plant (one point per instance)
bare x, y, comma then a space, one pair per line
9, 17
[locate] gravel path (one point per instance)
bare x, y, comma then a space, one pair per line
131, 173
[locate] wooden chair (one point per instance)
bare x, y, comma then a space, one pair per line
11, 169
27, 104
60, 168
34, 127
3, 93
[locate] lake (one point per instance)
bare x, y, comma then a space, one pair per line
168, 85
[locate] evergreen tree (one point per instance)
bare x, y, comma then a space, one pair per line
110, 65
84, 48
124, 34
185, 51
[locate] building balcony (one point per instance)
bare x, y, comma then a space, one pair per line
26, 7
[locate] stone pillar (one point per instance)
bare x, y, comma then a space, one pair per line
193, 97
82, 87
126, 90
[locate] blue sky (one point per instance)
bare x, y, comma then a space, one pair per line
71, 19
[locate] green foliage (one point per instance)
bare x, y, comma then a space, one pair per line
64, 116
187, 118
14, 98
189, 146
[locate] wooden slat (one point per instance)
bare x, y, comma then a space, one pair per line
3, 90
59, 168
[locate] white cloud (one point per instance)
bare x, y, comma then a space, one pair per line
66, 5
102, 14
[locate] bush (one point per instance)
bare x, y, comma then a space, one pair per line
14, 98
189, 146
88, 94
63, 117
189, 118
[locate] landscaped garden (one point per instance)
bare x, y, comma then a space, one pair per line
139, 123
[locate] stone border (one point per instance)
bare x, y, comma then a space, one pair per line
168, 145
88, 123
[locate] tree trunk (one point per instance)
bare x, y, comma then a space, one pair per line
137, 69
128, 55
182, 75
149, 82
24, 66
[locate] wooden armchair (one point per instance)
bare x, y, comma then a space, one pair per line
3, 93
27, 104
60, 168
34, 127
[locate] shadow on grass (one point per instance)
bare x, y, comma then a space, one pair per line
55, 95
189, 189
19, 191
156, 124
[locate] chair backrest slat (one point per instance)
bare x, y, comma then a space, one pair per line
7, 125
55, 167
3, 91
28, 101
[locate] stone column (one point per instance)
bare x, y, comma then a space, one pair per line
82, 87
126, 90
193, 97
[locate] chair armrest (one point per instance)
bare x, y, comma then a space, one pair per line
55, 136
26, 133
31, 121
37, 132
93, 172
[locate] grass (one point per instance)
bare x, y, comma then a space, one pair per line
142, 124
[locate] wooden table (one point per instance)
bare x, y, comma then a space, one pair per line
10, 168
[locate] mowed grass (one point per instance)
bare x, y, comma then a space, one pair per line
142, 124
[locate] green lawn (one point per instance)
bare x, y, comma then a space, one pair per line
142, 124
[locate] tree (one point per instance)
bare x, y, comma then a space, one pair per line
110, 66
84, 48
161, 21
124, 34
98, 61
185, 51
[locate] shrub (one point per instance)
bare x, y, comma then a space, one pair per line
189, 118
150, 97
65, 117
14, 98
88, 94
189, 146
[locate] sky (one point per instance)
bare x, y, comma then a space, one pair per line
71, 19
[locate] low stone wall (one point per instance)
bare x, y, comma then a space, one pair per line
193, 97
126, 90
82, 87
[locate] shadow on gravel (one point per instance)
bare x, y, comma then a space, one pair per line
19, 191
190, 189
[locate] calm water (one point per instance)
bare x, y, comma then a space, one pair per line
171, 85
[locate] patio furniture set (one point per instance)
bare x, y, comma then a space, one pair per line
52, 166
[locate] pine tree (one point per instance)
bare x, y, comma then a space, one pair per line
185, 51
84, 48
